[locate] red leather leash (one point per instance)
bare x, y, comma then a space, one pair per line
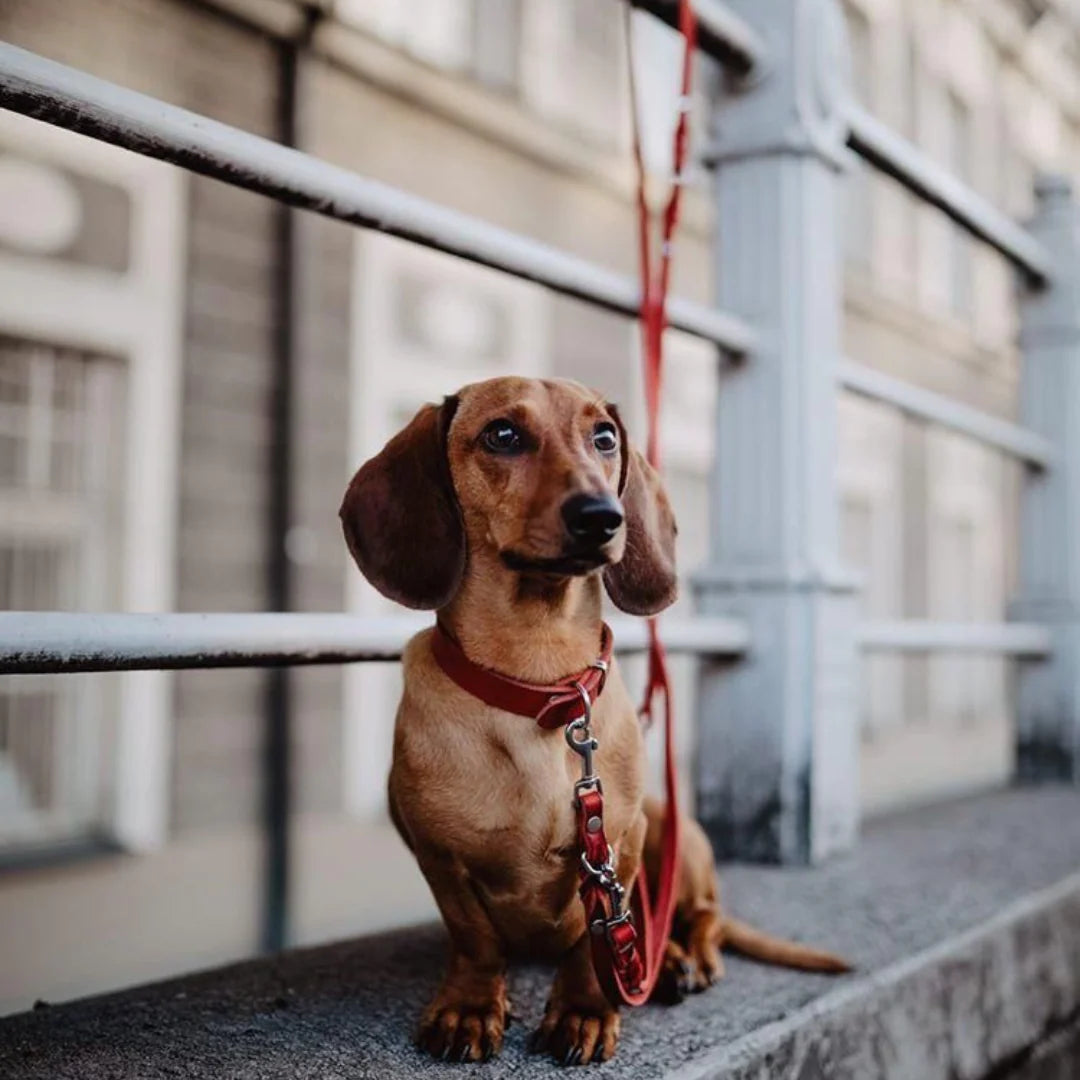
628, 941
615, 954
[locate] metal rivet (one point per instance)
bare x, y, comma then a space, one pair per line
593, 825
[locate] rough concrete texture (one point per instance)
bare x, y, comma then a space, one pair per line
964, 922
1056, 1058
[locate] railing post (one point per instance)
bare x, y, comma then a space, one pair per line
1048, 745
778, 762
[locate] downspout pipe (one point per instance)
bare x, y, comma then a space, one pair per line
277, 772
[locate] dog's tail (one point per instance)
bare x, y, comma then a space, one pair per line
748, 940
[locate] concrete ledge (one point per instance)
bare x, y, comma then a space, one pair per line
965, 1008
964, 921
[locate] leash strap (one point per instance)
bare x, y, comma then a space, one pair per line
628, 943
628, 939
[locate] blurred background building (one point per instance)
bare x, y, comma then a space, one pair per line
141, 312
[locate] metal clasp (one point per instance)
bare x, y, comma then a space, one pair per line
586, 744
583, 746
605, 876
604, 873
606, 926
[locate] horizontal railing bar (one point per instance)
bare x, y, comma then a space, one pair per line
71, 99
721, 33
918, 172
61, 642
1018, 441
924, 635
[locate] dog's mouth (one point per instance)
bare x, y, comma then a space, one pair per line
570, 564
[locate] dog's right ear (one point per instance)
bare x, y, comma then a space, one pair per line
644, 581
401, 517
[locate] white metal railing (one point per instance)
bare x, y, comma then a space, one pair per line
918, 172
63, 641
79, 102
789, 656
1020, 442
928, 635
721, 33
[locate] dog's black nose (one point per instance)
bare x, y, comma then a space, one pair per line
592, 519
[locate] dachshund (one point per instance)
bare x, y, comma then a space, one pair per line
509, 509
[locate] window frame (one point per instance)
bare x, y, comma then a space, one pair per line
137, 316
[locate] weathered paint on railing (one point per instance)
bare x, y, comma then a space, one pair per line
933, 183
36, 641
71, 99
1020, 442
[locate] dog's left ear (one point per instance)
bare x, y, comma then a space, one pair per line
644, 580
401, 517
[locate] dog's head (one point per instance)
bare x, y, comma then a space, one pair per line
538, 472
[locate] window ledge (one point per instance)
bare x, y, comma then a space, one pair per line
964, 921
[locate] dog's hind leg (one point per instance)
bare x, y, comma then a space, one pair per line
701, 929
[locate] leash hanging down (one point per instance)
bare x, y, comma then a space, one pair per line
628, 944
628, 939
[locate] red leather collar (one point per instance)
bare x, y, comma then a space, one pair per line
550, 706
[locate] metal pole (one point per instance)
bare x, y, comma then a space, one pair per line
1048, 745
778, 761
277, 738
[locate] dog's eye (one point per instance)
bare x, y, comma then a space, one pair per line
501, 437
604, 438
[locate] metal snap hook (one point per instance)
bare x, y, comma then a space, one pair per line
583, 746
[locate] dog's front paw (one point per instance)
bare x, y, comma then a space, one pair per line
452, 1029
576, 1035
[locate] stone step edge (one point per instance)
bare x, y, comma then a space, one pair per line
958, 1009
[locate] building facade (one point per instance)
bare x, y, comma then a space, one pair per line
138, 322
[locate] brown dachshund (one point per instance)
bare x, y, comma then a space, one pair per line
508, 508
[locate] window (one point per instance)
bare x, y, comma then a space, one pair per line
910, 202
472, 37
869, 464
858, 205
564, 59
966, 556
967, 732
961, 253
572, 70
61, 480
91, 270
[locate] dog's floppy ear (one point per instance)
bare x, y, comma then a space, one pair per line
644, 580
401, 518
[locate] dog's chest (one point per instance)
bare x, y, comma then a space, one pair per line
491, 795
528, 785
502, 799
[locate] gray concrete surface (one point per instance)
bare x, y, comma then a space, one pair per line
964, 921
1056, 1058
